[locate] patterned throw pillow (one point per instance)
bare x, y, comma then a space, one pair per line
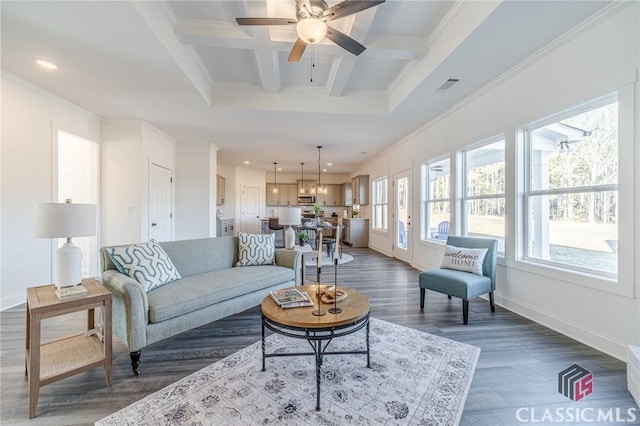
146, 263
256, 249
463, 259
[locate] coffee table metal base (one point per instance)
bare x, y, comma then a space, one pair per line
316, 337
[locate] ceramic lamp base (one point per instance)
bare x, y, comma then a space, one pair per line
68, 265
290, 238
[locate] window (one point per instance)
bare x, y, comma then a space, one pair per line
484, 193
380, 204
436, 210
571, 190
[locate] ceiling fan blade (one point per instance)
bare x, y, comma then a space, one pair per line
344, 41
266, 21
349, 7
297, 50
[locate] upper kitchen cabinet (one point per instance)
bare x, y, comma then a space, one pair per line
220, 189
360, 190
287, 194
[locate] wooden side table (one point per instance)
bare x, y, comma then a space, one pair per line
62, 358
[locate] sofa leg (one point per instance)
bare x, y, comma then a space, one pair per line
135, 361
465, 311
449, 296
491, 301
422, 292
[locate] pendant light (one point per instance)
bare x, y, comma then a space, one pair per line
302, 191
320, 189
275, 177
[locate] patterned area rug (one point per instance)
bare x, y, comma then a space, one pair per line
328, 260
415, 378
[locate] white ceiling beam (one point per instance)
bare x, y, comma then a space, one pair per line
160, 19
268, 64
343, 65
198, 32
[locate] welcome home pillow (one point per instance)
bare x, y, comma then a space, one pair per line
256, 249
146, 263
463, 259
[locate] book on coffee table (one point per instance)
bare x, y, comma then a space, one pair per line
291, 298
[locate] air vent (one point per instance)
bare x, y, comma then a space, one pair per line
447, 84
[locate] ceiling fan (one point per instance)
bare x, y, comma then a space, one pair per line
311, 24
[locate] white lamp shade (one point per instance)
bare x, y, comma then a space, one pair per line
64, 220
290, 216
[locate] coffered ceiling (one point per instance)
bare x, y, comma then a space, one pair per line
189, 69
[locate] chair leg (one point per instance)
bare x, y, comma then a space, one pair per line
449, 296
465, 311
422, 292
493, 305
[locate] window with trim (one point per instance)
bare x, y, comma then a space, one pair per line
483, 197
571, 189
380, 204
436, 208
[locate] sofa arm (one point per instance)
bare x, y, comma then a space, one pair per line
130, 309
290, 259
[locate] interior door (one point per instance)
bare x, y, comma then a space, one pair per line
250, 210
160, 215
402, 216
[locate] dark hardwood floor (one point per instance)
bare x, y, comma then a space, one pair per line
517, 369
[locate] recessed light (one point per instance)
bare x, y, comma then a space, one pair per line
246, 162
329, 164
324, 170
279, 169
46, 64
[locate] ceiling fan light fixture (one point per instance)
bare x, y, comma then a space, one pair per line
311, 30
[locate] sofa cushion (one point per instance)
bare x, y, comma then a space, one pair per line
256, 249
199, 291
146, 263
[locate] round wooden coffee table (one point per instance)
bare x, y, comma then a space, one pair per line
301, 323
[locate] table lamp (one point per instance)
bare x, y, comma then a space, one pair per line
290, 216
66, 220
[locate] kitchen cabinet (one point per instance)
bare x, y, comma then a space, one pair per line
287, 194
333, 197
225, 227
220, 189
305, 187
356, 232
346, 194
360, 190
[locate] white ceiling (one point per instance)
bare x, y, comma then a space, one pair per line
189, 69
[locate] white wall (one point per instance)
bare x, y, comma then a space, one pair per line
128, 149
28, 115
195, 190
598, 60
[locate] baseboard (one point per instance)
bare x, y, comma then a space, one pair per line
592, 338
10, 302
381, 250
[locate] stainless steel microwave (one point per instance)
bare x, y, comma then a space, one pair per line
306, 200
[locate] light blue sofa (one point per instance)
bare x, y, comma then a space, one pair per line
211, 288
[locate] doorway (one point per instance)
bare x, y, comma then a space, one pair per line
77, 179
160, 203
402, 216
250, 210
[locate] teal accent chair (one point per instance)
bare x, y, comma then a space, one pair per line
464, 285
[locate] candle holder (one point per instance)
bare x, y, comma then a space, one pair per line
335, 310
319, 312
336, 253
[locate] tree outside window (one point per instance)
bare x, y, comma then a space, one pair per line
572, 190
